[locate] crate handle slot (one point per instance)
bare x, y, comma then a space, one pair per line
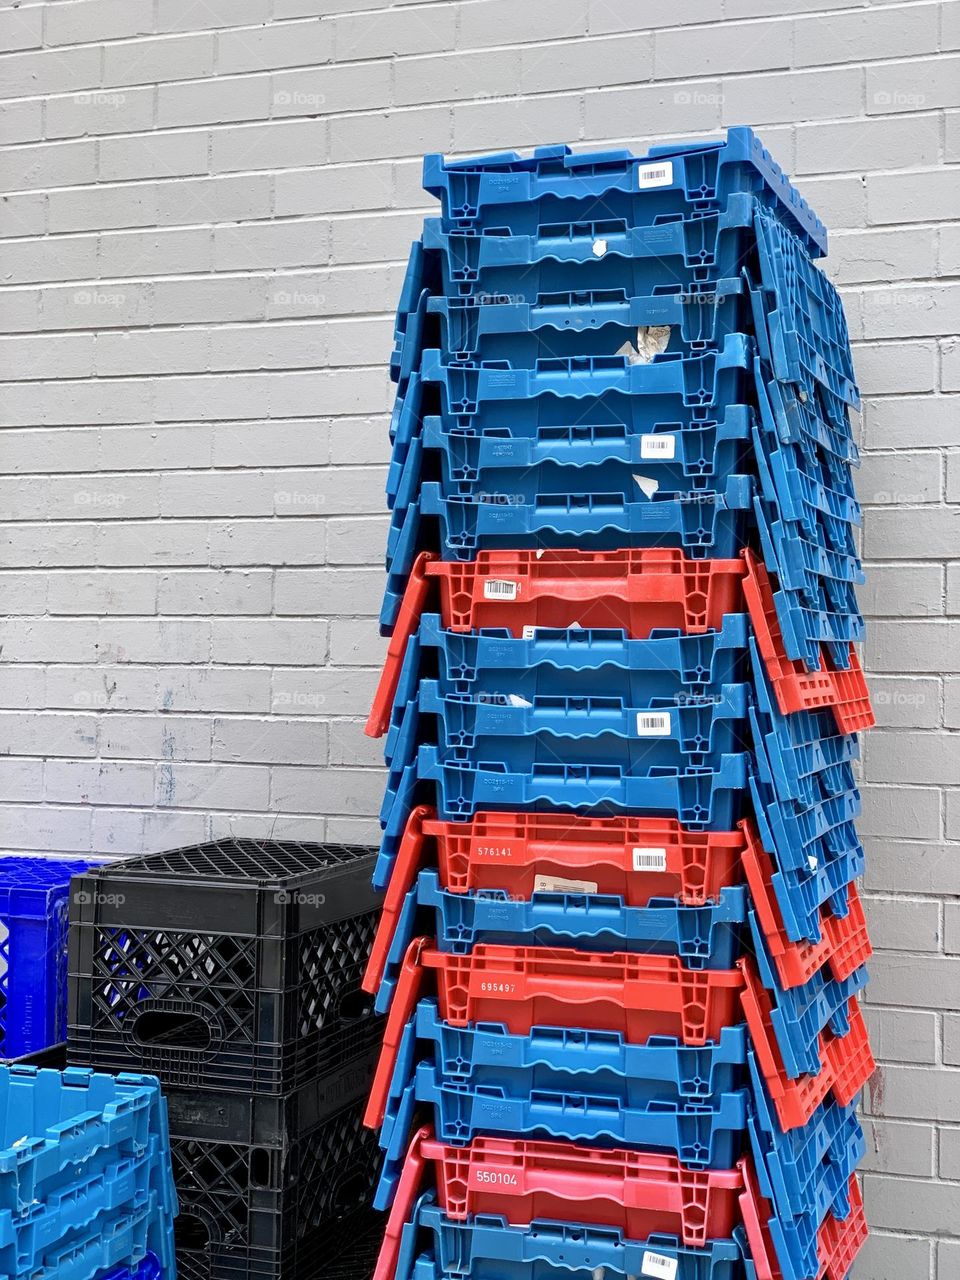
172, 1029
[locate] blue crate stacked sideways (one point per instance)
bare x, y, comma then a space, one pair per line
86, 1189
622, 945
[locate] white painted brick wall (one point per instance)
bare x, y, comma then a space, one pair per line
209, 203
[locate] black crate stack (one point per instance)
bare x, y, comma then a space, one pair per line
232, 970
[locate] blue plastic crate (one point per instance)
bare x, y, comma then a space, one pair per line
79, 1150
572, 253
795, 834
677, 454
116, 1252
579, 322
801, 757
805, 567
148, 1269
815, 875
665, 737
800, 1015
702, 797
808, 338
557, 392
811, 489
702, 521
488, 1248
704, 1135
33, 951
798, 417
809, 628
706, 936
421, 279
89, 1196
555, 661
807, 1171
660, 1068
568, 662
516, 192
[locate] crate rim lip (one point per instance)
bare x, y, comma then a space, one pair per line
134, 871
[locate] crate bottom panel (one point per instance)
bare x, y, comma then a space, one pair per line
703, 1135
663, 1068
261, 1208
704, 937
490, 1249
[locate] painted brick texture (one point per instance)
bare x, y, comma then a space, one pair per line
208, 206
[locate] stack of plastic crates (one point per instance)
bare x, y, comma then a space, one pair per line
622, 944
85, 1183
33, 952
233, 972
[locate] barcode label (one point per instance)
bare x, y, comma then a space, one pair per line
554, 884
653, 724
649, 859
658, 447
656, 1264
496, 589
529, 633
655, 175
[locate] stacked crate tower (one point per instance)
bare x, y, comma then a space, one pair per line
622, 943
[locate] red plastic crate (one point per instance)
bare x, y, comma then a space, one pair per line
636, 995
636, 591
525, 987
635, 858
408, 619
524, 1180
844, 944
796, 688
841, 1239
847, 1061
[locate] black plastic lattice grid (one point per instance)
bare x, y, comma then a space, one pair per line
233, 964
273, 1213
219, 1010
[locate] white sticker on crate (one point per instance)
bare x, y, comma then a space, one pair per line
555, 884
498, 589
658, 1265
653, 724
645, 859
529, 633
655, 175
662, 447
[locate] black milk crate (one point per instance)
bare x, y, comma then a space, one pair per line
234, 965
275, 1211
